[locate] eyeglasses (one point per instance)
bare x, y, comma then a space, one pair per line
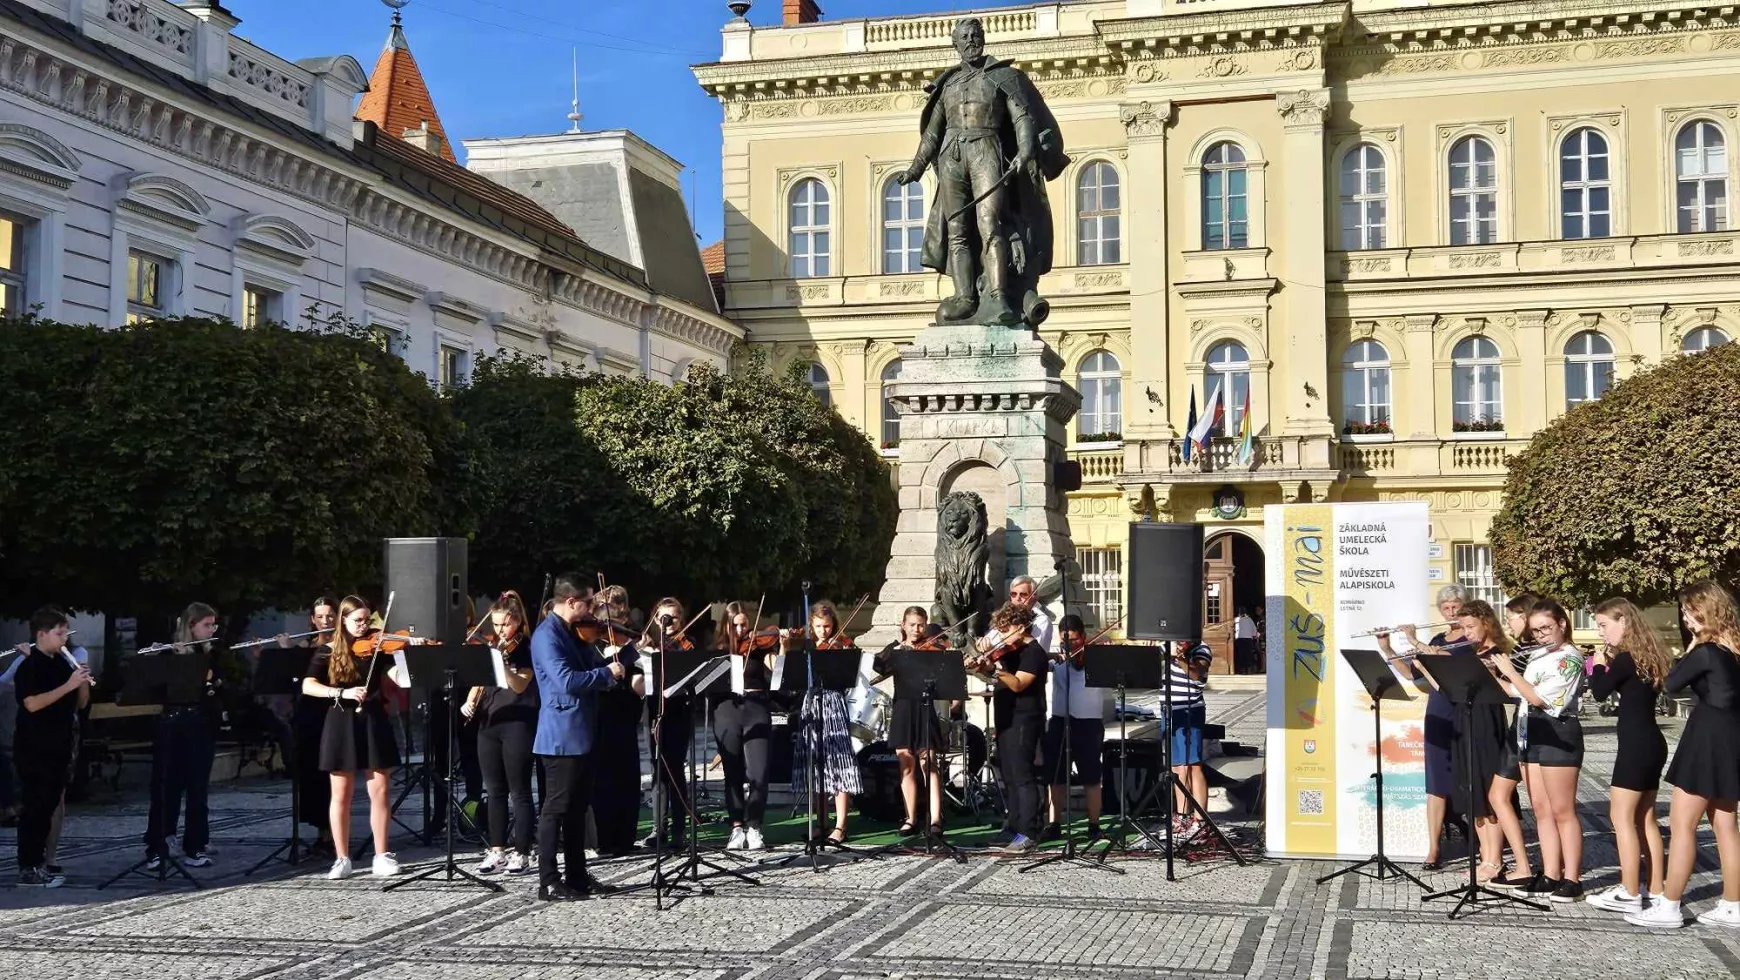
1020, 595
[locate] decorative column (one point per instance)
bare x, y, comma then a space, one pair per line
1647, 342
1422, 376
1147, 417
1300, 258
1525, 400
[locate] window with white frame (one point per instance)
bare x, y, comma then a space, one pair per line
1476, 376
261, 305
1475, 574
147, 281
1099, 227
1101, 383
1473, 192
1585, 185
810, 239
819, 384
1588, 367
1102, 577
451, 366
1225, 189
12, 232
1229, 373
1364, 198
890, 418
1365, 388
1701, 177
1702, 339
902, 227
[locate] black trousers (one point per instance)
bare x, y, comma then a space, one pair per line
616, 771
437, 751
1016, 746
504, 752
308, 723
742, 726
181, 761
563, 819
42, 780
675, 733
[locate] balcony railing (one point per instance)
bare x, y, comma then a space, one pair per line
1098, 464
1428, 457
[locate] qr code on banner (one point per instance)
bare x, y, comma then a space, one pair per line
1311, 802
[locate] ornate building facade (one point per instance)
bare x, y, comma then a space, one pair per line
1406, 237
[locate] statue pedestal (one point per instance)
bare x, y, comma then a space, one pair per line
982, 409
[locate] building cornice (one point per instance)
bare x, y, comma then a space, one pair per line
889, 71
1228, 31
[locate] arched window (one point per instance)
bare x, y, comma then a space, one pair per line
1224, 181
1585, 188
809, 230
1229, 370
1364, 198
902, 226
890, 419
1101, 384
819, 384
1475, 380
1701, 177
1588, 368
1473, 192
1702, 339
1099, 231
1365, 388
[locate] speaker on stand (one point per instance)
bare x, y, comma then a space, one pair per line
1166, 582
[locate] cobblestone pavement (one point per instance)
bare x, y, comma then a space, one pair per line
901, 916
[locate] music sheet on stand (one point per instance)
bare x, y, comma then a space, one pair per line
704, 675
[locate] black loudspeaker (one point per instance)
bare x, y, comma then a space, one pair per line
1165, 582
1066, 476
426, 578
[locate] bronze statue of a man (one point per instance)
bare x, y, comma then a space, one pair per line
995, 144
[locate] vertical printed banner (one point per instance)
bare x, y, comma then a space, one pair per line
1335, 570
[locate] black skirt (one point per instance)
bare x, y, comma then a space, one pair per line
351, 740
1705, 763
906, 725
1642, 753
1481, 748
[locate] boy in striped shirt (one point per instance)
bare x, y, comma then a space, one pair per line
1186, 714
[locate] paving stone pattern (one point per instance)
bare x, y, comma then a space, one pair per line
896, 917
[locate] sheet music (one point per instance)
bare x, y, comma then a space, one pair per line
645, 663
499, 664
778, 672
399, 673
701, 676
737, 664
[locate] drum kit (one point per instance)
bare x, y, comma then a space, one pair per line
964, 756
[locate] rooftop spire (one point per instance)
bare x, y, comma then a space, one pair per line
398, 99
574, 117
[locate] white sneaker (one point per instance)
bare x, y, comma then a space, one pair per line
341, 869
1661, 914
739, 840
754, 841
386, 865
1615, 899
491, 863
198, 859
518, 864
1725, 913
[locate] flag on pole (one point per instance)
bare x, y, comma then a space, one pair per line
1212, 413
1189, 427
1247, 446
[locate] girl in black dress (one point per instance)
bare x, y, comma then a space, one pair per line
665, 631
1706, 767
616, 752
507, 721
1633, 665
1479, 741
906, 734
1502, 796
357, 735
307, 720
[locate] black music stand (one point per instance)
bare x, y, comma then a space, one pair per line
1069, 855
280, 670
162, 678
680, 664
1119, 667
1467, 682
1381, 684
929, 676
713, 676
451, 669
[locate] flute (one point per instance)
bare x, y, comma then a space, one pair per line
161, 647
1397, 629
250, 644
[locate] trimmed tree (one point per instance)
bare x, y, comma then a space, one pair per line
157, 464
1635, 494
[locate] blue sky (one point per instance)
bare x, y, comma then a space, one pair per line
503, 67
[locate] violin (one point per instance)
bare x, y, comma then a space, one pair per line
760, 641
996, 653
839, 641
380, 641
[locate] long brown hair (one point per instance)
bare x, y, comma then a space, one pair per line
192, 614
722, 635
823, 609
650, 636
1714, 607
1522, 605
341, 666
510, 603
1639, 640
1482, 610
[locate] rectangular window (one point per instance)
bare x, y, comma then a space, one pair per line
260, 305
1474, 573
147, 279
1102, 576
452, 367
12, 232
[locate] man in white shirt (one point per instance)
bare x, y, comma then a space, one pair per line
1081, 711
1245, 656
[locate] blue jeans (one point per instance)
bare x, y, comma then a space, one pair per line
1184, 727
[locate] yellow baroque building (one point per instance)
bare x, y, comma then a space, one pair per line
1406, 235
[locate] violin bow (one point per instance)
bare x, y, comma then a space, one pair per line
386, 614
480, 621
841, 629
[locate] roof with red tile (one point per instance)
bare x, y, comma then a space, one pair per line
713, 259
398, 99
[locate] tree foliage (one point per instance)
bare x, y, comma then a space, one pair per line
189, 459
1634, 494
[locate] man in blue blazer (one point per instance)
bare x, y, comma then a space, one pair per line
569, 675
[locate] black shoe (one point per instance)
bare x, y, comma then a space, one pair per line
592, 886
1094, 833
1509, 881
1051, 832
1540, 886
1434, 865
1002, 839
1568, 892
559, 893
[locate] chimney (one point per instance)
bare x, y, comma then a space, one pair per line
801, 12
425, 139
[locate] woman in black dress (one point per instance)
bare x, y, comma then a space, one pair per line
1706, 767
906, 730
1479, 742
1502, 796
506, 722
357, 735
307, 721
1439, 728
1633, 665
616, 752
